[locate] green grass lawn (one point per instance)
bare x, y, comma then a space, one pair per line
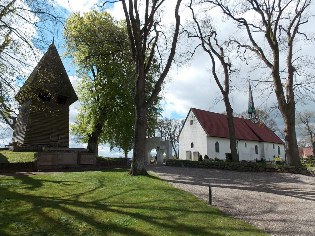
106, 203
14, 157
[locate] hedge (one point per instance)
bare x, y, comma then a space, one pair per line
242, 166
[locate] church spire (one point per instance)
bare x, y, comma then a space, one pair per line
251, 107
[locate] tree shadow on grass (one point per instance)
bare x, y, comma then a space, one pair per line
67, 214
3, 159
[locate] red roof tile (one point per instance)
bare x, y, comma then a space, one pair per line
215, 125
306, 152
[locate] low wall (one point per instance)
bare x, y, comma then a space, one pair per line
64, 158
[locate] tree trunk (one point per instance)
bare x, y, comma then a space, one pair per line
287, 109
232, 136
93, 139
292, 153
138, 162
93, 143
313, 145
174, 148
126, 157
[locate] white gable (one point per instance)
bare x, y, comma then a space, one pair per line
192, 138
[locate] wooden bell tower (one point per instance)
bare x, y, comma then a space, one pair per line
44, 99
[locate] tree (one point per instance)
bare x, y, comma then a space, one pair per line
307, 121
100, 47
146, 37
263, 116
169, 129
280, 23
215, 50
18, 53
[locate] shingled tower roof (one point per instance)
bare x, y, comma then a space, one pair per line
49, 76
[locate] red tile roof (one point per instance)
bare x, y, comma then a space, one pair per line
306, 152
215, 125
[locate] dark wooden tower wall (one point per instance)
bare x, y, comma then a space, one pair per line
44, 99
21, 123
49, 128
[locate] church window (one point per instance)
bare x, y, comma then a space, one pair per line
217, 147
278, 150
192, 145
245, 144
191, 122
273, 146
256, 149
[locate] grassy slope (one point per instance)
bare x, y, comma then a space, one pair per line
106, 203
13, 157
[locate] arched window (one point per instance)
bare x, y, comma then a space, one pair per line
217, 147
245, 144
273, 145
278, 150
256, 149
192, 145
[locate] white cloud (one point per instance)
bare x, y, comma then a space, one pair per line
190, 87
77, 5
116, 10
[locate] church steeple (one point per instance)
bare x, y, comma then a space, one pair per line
251, 107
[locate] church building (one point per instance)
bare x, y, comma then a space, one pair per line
206, 133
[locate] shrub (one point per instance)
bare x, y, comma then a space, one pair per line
200, 158
242, 166
228, 157
206, 157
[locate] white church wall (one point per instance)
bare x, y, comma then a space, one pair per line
272, 150
224, 147
192, 139
246, 150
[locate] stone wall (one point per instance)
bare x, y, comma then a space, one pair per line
64, 158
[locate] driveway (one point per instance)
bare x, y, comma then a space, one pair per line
278, 203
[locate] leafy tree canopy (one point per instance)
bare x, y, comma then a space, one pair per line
100, 48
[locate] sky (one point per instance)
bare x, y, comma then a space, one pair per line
189, 82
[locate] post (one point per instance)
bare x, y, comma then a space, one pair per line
210, 195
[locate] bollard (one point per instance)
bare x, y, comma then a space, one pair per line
210, 195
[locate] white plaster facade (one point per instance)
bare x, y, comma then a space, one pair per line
194, 141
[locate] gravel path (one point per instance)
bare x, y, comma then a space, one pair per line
279, 203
